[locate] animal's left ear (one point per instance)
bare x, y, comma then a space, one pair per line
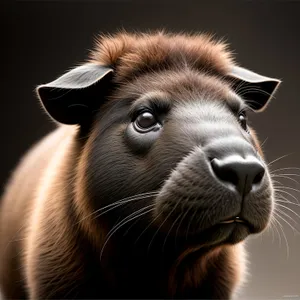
255, 89
76, 95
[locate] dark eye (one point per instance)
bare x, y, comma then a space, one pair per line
243, 120
145, 122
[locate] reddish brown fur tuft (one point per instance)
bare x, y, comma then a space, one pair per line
131, 53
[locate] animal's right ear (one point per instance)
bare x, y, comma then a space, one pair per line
75, 96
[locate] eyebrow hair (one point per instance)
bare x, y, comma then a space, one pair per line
155, 100
236, 104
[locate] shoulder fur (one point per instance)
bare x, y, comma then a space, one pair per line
131, 53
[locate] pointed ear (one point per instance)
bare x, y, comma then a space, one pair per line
255, 89
75, 96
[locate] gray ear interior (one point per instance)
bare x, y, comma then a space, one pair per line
254, 88
75, 96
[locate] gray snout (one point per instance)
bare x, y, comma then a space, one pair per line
235, 171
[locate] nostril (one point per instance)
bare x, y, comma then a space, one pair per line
215, 164
258, 178
224, 172
230, 176
211, 159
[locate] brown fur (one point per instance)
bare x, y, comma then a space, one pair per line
45, 188
25, 223
134, 53
195, 273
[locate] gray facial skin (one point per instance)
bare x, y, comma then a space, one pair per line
213, 185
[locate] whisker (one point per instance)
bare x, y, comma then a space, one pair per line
170, 229
273, 231
277, 182
261, 145
123, 222
183, 216
277, 159
280, 196
286, 168
129, 216
285, 214
119, 203
286, 177
289, 188
287, 193
127, 201
275, 223
283, 219
290, 174
287, 208
283, 233
189, 225
148, 227
286, 201
285, 174
161, 226
126, 232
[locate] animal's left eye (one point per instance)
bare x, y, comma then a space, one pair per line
242, 117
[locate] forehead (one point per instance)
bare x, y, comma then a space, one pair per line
132, 54
179, 87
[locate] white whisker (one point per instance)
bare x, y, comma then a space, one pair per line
284, 236
261, 145
171, 227
147, 227
119, 203
286, 201
279, 236
286, 168
129, 218
161, 226
289, 188
287, 193
286, 177
287, 208
277, 159
283, 219
183, 216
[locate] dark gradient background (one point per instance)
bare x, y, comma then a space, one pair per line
42, 39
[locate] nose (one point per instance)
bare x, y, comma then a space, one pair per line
243, 174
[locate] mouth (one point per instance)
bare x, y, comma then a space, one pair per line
239, 221
234, 220
228, 231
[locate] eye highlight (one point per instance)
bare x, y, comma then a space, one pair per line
242, 118
145, 122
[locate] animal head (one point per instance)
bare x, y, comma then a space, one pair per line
167, 136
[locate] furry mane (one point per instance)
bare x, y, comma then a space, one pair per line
133, 53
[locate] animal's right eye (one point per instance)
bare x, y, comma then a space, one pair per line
146, 122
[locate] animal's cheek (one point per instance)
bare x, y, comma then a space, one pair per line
260, 205
140, 142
